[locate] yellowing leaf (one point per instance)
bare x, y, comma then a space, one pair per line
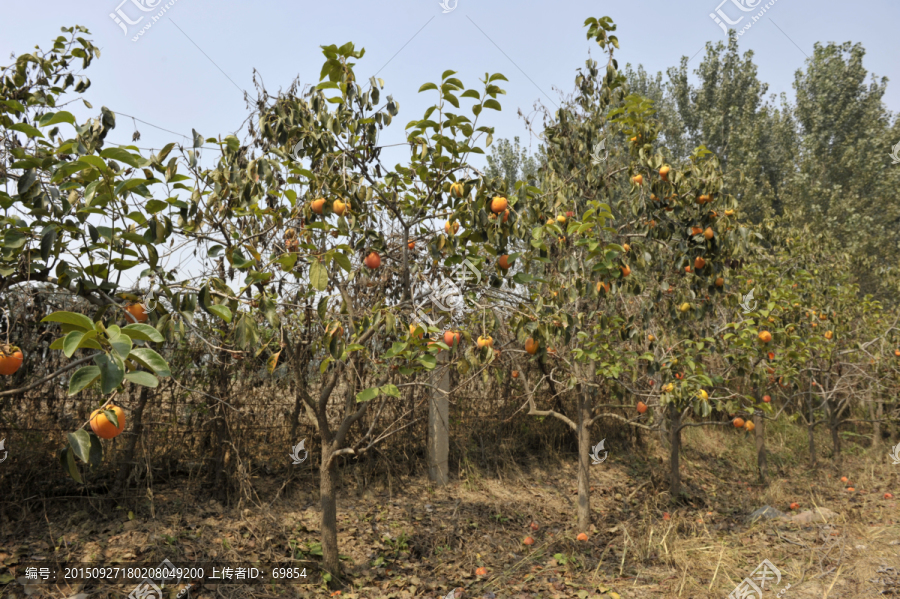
272, 362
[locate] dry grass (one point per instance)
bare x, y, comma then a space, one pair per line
405, 538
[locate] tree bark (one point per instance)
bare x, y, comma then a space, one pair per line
584, 473
328, 494
760, 430
812, 433
836, 439
438, 449
675, 452
137, 427
875, 415
223, 438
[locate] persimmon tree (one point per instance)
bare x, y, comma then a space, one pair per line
624, 225
328, 246
686, 236
834, 329
77, 220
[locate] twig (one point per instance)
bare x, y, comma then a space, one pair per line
825, 596
633, 493
716, 573
40, 382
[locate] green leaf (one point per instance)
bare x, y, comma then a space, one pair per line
240, 261
322, 308
68, 459
318, 275
427, 86
121, 344
26, 129
245, 333
70, 343
324, 365
221, 311
80, 442
26, 181
390, 390
139, 377
143, 332
428, 361
96, 162
48, 238
111, 416
13, 104
367, 395
154, 206
150, 359
396, 348
13, 239
59, 117
96, 456
123, 156
111, 373
82, 378
343, 261
79, 321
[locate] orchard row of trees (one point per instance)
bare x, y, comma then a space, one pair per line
611, 286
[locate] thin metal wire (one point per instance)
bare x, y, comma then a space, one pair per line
512, 61
210, 59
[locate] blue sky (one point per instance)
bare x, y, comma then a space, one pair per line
165, 79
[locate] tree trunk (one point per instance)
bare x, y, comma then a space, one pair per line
584, 474
835, 439
137, 427
675, 452
438, 448
223, 438
760, 430
812, 434
328, 493
295, 414
875, 415
892, 427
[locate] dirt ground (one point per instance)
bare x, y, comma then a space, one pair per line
404, 538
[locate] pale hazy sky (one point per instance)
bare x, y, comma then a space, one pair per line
167, 77
164, 78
